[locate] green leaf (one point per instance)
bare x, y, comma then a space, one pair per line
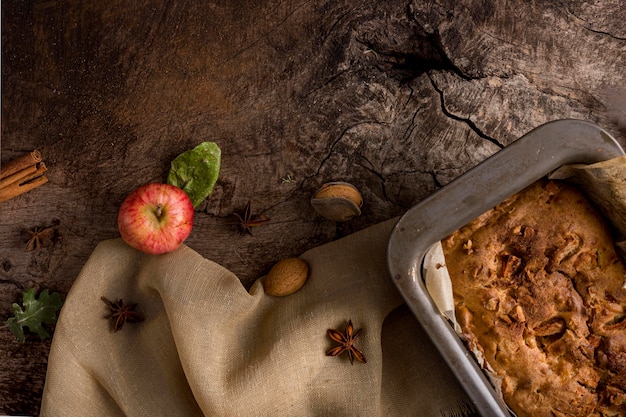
196, 171
35, 313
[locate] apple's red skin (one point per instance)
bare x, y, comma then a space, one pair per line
142, 228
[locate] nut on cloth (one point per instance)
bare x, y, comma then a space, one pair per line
208, 347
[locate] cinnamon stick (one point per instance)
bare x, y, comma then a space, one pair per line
20, 163
16, 189
22, 174
18, 176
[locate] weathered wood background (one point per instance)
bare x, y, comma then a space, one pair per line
396, 97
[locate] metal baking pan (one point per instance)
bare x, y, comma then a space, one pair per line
510, 170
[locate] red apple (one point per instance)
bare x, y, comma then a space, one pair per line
156, 218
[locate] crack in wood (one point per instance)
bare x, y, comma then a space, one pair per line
433, 175
587, 26
412, 125
600, 32
331, 152
467, 121
377, 174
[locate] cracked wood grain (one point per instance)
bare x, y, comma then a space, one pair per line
467, 121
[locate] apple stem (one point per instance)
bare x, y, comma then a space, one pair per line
159, 210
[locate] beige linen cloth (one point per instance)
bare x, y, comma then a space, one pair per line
208, 347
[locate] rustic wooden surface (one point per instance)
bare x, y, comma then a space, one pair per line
396, 97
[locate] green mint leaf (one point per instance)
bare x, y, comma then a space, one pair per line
196, 171
34, 314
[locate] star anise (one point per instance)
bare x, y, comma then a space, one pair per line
346, 343
121, 313
248, 221
39, 237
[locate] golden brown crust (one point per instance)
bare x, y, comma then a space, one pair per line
538, 289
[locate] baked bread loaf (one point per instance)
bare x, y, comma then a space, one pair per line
539, 293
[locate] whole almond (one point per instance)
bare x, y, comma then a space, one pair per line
286, 277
